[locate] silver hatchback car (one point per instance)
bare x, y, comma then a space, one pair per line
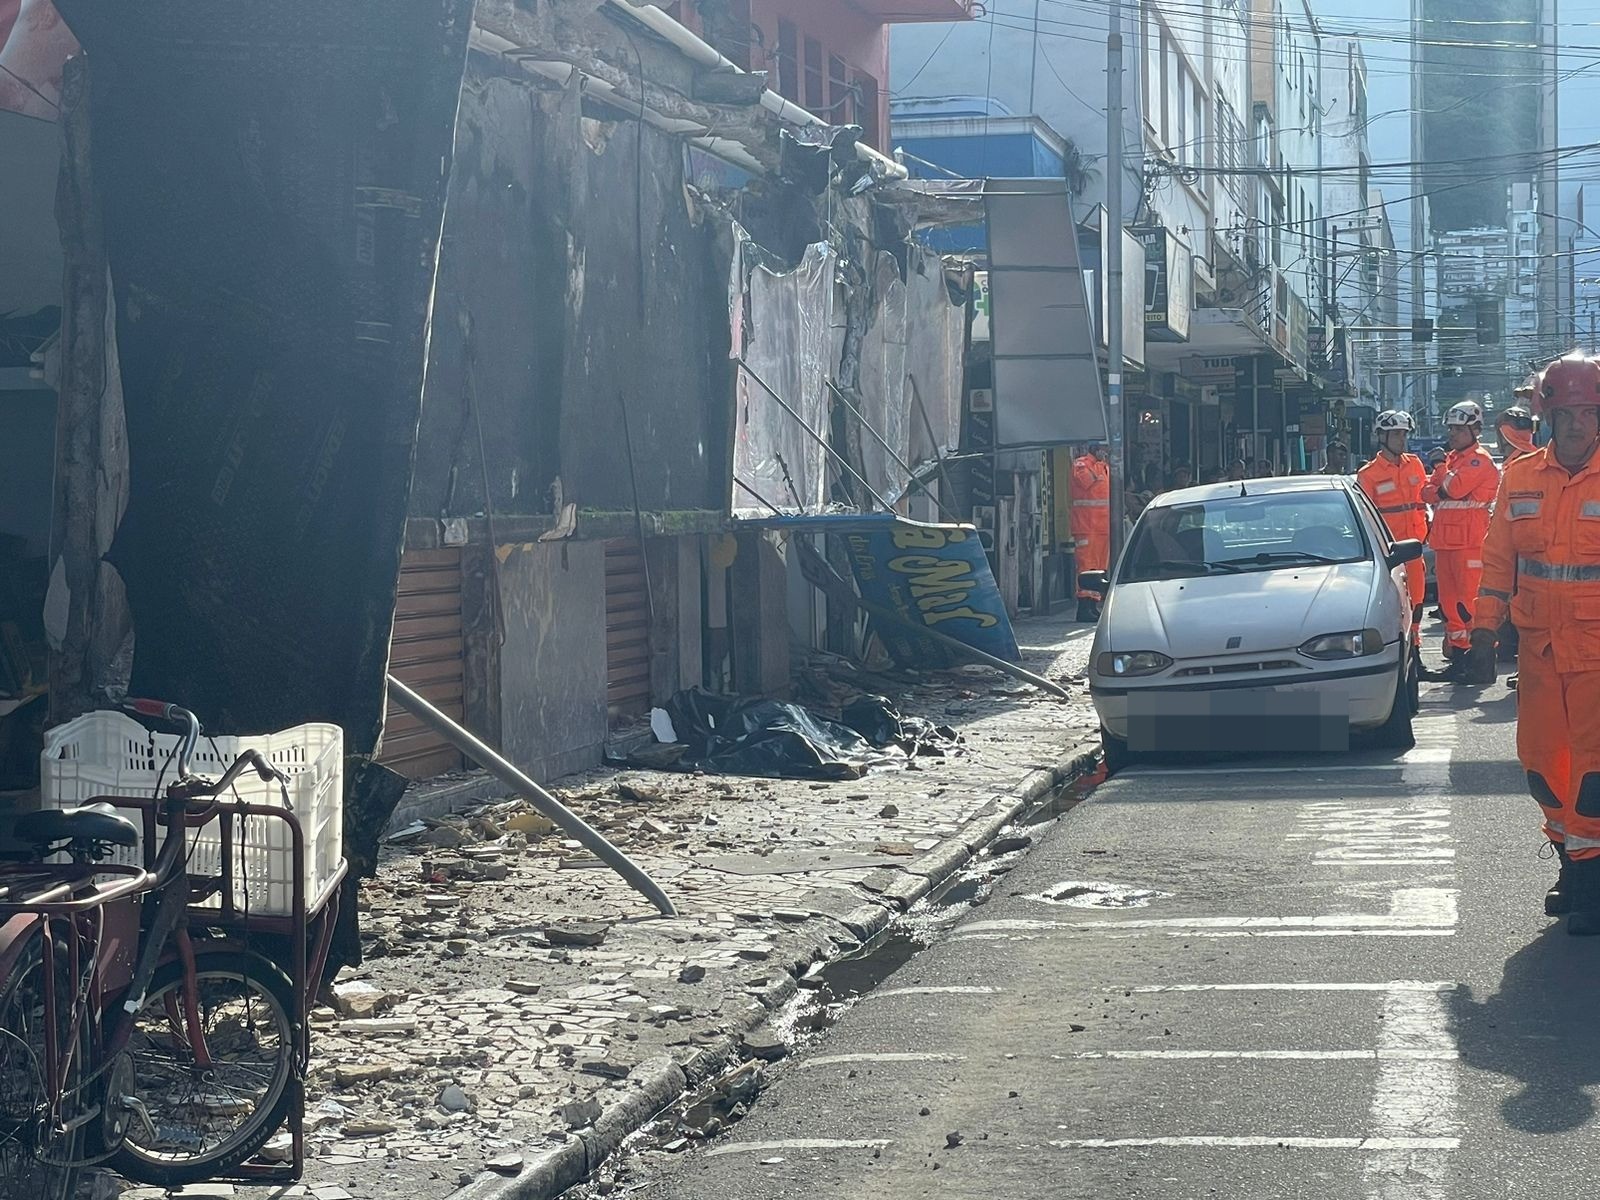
1269, 614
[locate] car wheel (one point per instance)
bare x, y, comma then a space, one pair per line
1395, 733
1114, 752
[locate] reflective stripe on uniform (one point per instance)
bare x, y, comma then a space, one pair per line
1559, 572
1591, 508
1399, 508
1525, 508
1093, 503
1494, 594
1462, 504
1388, 485
1582, 843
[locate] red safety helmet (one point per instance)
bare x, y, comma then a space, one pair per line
1569, 382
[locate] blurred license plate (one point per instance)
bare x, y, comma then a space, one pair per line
1236, 719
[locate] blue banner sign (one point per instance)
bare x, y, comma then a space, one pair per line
934, 576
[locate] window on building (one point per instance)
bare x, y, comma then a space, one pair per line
815, 94
841, 96
1200, 156
788, 62
867, 108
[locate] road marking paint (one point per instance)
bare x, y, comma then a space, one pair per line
1379, 1055
1414, 1099
834, 1060
1410, 907
1110, 930
932, 991
1349, 834
1268, 1143
1397, 985
798, 1144
1317, 774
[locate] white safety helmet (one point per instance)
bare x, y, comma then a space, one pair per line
1394, 420
1465, 413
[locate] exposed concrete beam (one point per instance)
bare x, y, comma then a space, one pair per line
572, 36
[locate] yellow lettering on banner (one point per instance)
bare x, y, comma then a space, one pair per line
984, 620
930, 572
909, 537
933, 603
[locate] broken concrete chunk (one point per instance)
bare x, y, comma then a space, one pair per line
358, 998
764, 1044
523, 987
505, 1164
691, 973
352, 1074
607, 1067
368, 1127
454, 1100
578, 1114
889, 810
379, 1026
531, 824
575, 932
445, 837
1010, 845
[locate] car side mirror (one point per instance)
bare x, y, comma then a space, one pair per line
1094, 581
1404, 551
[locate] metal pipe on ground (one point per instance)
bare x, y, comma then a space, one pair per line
569, 821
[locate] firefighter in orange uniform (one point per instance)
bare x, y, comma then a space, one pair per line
1514, 427
1091, 522
1461, 491
1393, 481
1541, 561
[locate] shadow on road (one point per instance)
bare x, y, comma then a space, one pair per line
1539, 1030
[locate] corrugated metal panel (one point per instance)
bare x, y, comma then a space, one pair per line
627, 631
427, 654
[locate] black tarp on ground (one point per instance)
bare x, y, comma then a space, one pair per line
272, 178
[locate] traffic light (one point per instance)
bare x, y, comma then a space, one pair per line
1422, 329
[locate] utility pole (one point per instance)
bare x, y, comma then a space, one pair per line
1113, 223
1422, 392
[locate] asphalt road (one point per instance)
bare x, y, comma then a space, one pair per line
1343, 986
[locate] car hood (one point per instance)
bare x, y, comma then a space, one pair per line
1263, 610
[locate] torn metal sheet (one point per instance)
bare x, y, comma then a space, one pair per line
272, 227
1046, 368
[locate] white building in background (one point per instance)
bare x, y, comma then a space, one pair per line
1363, 272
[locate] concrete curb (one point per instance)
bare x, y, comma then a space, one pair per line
658, 1083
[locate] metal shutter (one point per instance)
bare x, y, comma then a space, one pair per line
427, 654
627, 631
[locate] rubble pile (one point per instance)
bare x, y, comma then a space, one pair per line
513, 990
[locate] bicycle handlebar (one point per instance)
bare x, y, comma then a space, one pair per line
163, 711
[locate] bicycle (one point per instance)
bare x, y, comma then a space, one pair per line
140, 1027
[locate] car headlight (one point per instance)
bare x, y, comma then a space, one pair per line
1344, 645
1139, 662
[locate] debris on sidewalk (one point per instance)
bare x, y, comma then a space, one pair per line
508, 999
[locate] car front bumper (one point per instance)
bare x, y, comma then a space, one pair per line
1309, 711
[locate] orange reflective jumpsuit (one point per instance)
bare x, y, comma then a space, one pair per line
1395, 489
1541, 561
1461, 491
1091, 517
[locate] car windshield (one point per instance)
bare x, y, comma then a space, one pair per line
1244, 533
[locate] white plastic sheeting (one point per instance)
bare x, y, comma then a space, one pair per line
784, 328
789, 327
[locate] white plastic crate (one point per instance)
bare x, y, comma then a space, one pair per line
110, 754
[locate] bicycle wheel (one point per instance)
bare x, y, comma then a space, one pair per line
36, 1160
190, 1124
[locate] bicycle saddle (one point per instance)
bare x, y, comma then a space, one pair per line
92, 823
